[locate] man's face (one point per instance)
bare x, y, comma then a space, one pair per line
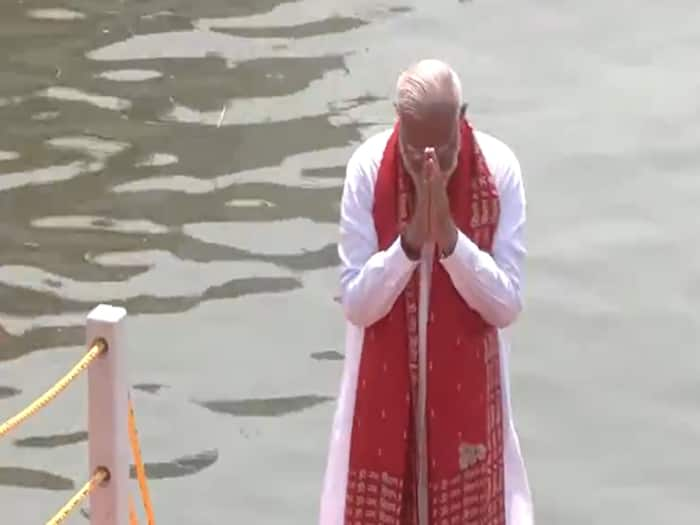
439, 131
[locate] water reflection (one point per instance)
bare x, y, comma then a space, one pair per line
75, 95
179, 467
8, 155
332, 25
33, 479
158, 159
130, 75
42, 176
41, 338
55, 14
58, 440
330, 355
264, 238
151, 388
271, 407
8, 391
99, 223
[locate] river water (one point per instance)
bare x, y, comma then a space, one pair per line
185, 160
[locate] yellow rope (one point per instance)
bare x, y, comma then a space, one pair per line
97, 348
101, 474
140, 470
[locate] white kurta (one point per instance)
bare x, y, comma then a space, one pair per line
371, 280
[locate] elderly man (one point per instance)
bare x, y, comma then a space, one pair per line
431, 245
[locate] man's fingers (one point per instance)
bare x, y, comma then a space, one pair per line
429, 162
432, 166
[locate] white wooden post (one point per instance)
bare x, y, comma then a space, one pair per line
108, 439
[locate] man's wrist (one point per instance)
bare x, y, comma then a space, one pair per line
411, 252
448, 240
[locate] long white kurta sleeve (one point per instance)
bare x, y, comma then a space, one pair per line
491, 284
371, 279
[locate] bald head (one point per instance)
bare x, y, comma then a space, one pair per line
427, 88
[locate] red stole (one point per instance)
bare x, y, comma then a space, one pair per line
463, 417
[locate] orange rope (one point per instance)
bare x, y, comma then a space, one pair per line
140, 470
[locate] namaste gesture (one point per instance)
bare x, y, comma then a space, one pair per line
431, 220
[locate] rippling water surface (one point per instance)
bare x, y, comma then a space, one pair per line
185, 160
